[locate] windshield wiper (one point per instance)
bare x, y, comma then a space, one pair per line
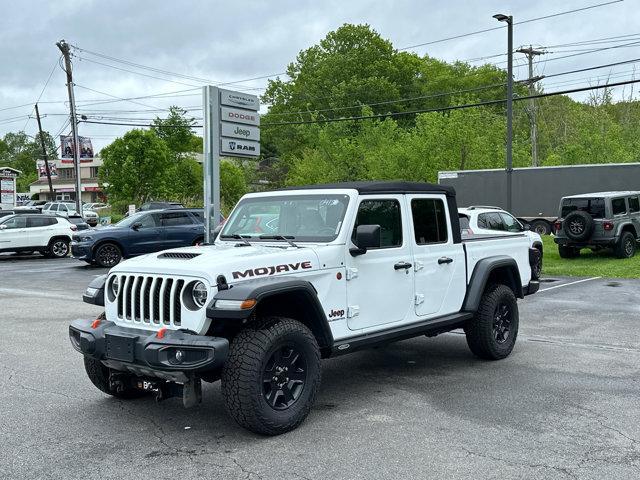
236, 236
286, 238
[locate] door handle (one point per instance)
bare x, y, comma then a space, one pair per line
401, 265
442, 260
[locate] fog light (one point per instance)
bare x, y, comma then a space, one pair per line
179, 356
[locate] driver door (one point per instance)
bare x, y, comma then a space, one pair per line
147, 236
15, 233
380, 282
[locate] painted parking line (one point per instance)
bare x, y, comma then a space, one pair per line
38, 269
38, 293
568, 284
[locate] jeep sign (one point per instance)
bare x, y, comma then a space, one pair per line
239, 99
244, 132
239, 116
241, 148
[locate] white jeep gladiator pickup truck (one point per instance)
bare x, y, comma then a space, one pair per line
294, 276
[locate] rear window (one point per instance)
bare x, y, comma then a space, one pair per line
593, 206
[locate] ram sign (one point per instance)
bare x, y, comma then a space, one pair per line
233, 146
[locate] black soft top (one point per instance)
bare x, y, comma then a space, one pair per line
385, 186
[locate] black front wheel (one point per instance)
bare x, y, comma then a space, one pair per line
272, 375
108, 255
492, 333
626, 246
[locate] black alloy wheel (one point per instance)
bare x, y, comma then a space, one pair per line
108, 255
502, 323
284, 377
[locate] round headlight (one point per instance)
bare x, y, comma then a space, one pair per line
115, 286
199, 294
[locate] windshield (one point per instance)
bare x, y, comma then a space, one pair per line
311, 218
130, 220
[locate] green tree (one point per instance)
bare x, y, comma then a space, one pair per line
136, 167
19, 151
176, 131
232, 185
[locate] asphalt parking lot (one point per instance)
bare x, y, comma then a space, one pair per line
565, 404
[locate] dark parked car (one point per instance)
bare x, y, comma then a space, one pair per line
158, 206
140, 233
79, 222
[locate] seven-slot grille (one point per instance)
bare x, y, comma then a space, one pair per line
150, 299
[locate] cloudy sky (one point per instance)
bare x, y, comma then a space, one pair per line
231, 41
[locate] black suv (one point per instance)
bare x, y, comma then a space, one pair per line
599, 220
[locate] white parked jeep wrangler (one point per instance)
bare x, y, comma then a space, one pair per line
295, 276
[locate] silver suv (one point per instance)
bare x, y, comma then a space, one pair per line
599, 220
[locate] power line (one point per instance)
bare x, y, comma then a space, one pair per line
114, 96
515, 23
175, 74
412, 112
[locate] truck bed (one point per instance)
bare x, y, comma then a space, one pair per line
479, 246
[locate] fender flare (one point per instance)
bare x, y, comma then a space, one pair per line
265, 288
480, 277
94, 294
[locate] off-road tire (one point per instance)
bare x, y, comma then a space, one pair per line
108, 255
536, 268
480, 331
568, 252
541, 227
99, 376
578, 226
57, 248
243, 383
626, 246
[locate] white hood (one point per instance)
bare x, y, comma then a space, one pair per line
236, 263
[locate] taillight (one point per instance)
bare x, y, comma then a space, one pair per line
608, 226
73, 228
557, 226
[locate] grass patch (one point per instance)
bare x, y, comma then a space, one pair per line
588, 264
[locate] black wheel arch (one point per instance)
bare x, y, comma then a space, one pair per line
294, 298
497, 269
59, 237
629, 227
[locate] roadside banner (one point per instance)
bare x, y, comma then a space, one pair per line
66, 148
42, 170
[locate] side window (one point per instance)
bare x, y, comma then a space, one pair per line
53, 207
429, 221
491, 221
148, 221
199, 216
385, 213
634, 205
33, 222
16, 222
619, 206
511, 224
175, 219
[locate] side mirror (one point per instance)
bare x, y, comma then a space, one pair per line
367, 236
526, 227
136, 226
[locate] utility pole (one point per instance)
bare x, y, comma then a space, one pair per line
64, 48
44, 154
530, 53
509, 168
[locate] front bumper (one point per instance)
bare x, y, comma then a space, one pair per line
81, 251
142, 353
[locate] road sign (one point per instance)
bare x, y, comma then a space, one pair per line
239, 99
234, 146
237, 115
244, 132
231, 129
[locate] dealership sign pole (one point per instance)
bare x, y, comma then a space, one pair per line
231, 129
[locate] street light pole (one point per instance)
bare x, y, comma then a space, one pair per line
509, 168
